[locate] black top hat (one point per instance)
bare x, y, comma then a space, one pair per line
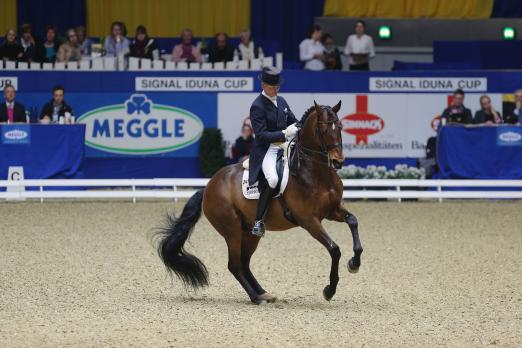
271, 76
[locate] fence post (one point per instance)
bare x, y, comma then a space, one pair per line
41, 194
133, 193
399, 190
439, 190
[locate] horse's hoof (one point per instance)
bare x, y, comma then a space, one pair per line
268, 298
328, 293
351, 267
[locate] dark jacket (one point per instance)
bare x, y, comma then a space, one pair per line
242, 148
216, 54
332, 60
11, 52
464, 117
482, 117
18, 114
143, 49
47, 110
268, 123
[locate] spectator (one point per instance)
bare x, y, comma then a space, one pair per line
186, 51
487, 113
243, 144
50, 46
514, 115
332, 56
457, 112
84, 42
220, 51
311, 50
143, 46
70, 50
359, 48
117, 44
56, 108
12, 111
10, 49
29, 45
247, 49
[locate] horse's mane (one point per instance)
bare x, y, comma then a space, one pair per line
311, 109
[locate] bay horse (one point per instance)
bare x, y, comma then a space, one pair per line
313, 193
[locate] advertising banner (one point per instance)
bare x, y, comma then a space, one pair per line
374, 125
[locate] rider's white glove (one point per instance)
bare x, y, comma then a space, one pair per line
291, 131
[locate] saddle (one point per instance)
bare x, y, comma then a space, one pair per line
252, 191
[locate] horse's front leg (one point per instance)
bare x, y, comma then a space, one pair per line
317, 231
343, 215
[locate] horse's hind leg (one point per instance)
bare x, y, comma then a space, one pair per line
343, 215
249, 244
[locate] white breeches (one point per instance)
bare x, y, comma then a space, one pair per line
269, 165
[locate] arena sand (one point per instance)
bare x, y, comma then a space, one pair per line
85, 274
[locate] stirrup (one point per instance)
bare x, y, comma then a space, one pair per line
259, 228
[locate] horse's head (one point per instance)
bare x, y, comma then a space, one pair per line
321, 133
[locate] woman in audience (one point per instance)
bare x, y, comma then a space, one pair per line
311, 50
117, 44
247, 49
70, 50
28, 43
487, 113
359, 48
10, 49
243, 144
84, 42
186, 51
50, 46
332, 56
143, 46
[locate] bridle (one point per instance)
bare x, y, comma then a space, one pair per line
323, 152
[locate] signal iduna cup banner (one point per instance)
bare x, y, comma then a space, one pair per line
374, 125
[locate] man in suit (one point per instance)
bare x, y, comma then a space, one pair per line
513, 114
273, 123
56, 108
11, 111
457, 112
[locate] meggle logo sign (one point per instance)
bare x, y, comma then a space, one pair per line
140, 127
16, 134
511, 136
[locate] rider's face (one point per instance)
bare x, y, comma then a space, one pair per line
270, 91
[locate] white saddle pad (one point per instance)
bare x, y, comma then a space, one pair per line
252, 191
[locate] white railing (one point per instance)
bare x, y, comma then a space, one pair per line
184, 188
141, 64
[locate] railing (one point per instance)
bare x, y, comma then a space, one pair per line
137, 64
183, 188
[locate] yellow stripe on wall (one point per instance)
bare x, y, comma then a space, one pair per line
166, 18
7, 16
443, 9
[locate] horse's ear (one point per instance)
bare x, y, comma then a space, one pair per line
337, 107
318, 109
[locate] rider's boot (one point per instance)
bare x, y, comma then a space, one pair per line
262, 208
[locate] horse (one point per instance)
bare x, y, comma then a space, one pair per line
313, 193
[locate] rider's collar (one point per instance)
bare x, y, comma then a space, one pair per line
273, 99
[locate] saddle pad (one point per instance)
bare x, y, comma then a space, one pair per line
252, 191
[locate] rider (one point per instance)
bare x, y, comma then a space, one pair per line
273, 123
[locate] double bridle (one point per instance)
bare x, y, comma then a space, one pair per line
323, 152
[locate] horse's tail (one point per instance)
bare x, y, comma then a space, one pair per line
187, 267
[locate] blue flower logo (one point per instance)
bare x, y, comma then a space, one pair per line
138, 103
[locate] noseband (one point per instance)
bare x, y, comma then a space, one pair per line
323, 152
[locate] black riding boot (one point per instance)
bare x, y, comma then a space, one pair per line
262, 208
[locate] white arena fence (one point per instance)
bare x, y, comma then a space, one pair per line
135, 189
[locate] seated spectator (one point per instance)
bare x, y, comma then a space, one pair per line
311, 50
243, 144
457, 112
84, 42
70, 50
10, 49
117, 44
487, 113
143, 46
56, 108
50, 46
514, 115
10, 110
247, 49
359, 48
29, 45
220, 51
186, 51
332, 56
